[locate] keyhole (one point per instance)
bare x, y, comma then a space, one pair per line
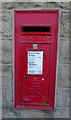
26, 77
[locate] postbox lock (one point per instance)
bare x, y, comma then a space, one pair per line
26, 77
35, 46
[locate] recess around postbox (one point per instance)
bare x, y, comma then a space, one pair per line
35, 38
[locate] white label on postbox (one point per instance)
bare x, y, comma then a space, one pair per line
35, 62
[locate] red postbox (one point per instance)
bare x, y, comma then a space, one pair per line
36, 34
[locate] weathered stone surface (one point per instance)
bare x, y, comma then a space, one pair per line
0, 97
0, 113
8, 113
6, 76
12, 113
61, 114
6, 16
60, 98
8, 5
63, 5
70, 75
1, 26
0, 53
4, 97
6, 51
67, 98
9, 97
64, 51
34, 114
39, 4
64, 17
64, 30
0, 81
0, 75
23, 5
64, 24
63, 76
7, 28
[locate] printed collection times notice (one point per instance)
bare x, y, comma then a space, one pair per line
35, 62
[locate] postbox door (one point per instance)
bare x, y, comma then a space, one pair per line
35, 73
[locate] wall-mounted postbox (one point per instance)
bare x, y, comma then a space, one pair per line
36, 33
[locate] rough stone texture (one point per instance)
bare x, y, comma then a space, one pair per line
0, 51
59, 98
64, 51
62, 94
62, 98
63, 5
61, 114
7, 51
6, 76
64, 30
63, 76
64, 24
67, 98
7, 113
9, 97
7, 24
7, 28
6, 16
34, 114
13, 113
0, 113
0, 75
0, 97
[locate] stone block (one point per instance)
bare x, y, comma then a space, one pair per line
70, 98
0, 82
54, 4
0, 97
39, 4
6, 16
8, 113
67, 98
64, 17
9, 97
64, 51
34, 114
8, 5
4, 97
64, 24
62, 5
1, 28
0, 113
64, 30
6, 51
63, 76
0, 75
6, 76
0, 51
7, 28
61, 113
22, 4
65, 5
60, 98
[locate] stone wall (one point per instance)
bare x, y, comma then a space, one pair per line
62, 90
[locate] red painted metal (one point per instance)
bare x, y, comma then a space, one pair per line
35, 91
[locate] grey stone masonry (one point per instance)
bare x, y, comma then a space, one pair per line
63, 88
